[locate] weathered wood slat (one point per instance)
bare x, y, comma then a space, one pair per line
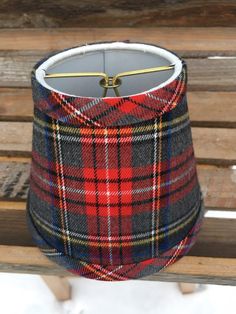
15, 68
46, 14
13, 222
212, 74
27, 260
18, 259
210, 41
59, 287
203, 74
215, 146
199, 270
206, 109
14, 180
16, 137
212, 109
216, 238
15, 159
16, 104
12, 205
218, 184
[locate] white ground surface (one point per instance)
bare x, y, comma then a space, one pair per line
27, 294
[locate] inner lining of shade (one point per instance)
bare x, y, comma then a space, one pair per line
110, 58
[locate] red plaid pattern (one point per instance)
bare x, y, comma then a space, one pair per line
114, 193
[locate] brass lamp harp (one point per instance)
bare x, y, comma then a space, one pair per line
110, 81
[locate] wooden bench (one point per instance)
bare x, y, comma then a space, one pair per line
212, 107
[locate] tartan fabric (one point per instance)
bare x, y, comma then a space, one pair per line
114, 192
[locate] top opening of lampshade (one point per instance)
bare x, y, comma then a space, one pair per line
110, 58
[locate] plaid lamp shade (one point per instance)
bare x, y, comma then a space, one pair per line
114, 193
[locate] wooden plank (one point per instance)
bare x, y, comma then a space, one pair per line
212, 74
14, 180
27, 260
216, 238
12, 206
199, 270
220, 144
13, 221
16, 104
210, 41
15, 159
105, 13
16, 140
15, 68
59, 286
208, 270
205, 108
212, 109
203, 74
218, 185
187, 288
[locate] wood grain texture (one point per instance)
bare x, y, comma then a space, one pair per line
59, 286
199, 270
15, 159
13, 221
203, 74
218, 185
215, 146
12, 205
216, 237
16, 140
18, 259
16, 104
132, 13
14, 180
205, 108
212, 109
210, 41
212, 74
